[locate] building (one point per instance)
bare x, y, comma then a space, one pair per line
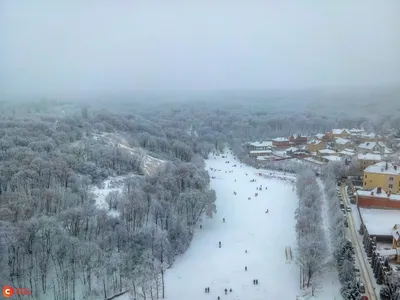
257, 153
341, 144
327, 152
396, 236
368, 159
339, 133
266, 145
378, 199
315, 145
382, 174
371, 147
298, 140
281, 142
330, 158
347, 153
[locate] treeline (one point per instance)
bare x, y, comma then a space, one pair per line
57, 242
312, 252
342, 247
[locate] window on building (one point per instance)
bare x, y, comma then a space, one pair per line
390, 186
391, 178
365, 175
365, 183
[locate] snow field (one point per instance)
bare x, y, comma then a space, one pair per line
264, 235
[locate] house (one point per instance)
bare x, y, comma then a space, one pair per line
339, 133
341, 143
281, 142
326, 152
330, 158
266, 145
374, 147
356, 132
368, 159
347, 153
257, 153
298, 140
325, 137
382, 174
315, 145
378, 199
369, 137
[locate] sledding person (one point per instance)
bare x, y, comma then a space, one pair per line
205, 290
220, 244
218, 298
245, 251
230, 290
266, 211
245, 268
256, 281
226, 291
223, 220
201, 226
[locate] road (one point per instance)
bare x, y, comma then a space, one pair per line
360, 257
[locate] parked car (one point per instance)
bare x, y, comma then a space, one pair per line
361, 287
339, 184
341, 204
346, 224
356, 269
348, 208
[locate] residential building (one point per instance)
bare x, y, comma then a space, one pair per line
378, 199
347, 153
266, 145
281, 142
374, 147
326, 152
330, 158
257, 153
315, 145
382, 174
298, 139
368, 159
341, 144
369, 137
339, 133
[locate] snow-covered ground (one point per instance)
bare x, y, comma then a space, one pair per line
247, 226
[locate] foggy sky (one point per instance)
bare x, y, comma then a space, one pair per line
93, 46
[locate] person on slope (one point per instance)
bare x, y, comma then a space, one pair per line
223, 220
266, 211
226, 291
220, 244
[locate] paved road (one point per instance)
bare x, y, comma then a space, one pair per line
360, 257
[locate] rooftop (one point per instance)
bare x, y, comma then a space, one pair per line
369, 156
342, 141
346, 152
339, 131
332, 158
380, 221
262, 144
368, 145
260, 151
382, 194
280, 139
315, 141
327, 151
380, 168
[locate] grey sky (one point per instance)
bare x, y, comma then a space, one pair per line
54, 47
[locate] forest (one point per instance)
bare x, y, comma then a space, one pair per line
57, 242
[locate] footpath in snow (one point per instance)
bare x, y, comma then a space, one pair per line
247, 226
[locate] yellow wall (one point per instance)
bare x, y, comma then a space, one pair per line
374, 180
315, 147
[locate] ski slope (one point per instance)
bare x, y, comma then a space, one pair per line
265, 236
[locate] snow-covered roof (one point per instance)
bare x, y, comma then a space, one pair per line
327, 151
380, 168
349, 150
262, 144
355, 130
260, 151
314, 142
342, 141
320, 136
367, 145
332, 158
339, 131
380, 221
345, 152
292, 149
368, 135
369, 156
280, 139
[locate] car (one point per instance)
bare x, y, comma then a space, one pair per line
346, 224
361, 287
348, 208
357, 270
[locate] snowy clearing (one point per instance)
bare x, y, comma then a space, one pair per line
267, 237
